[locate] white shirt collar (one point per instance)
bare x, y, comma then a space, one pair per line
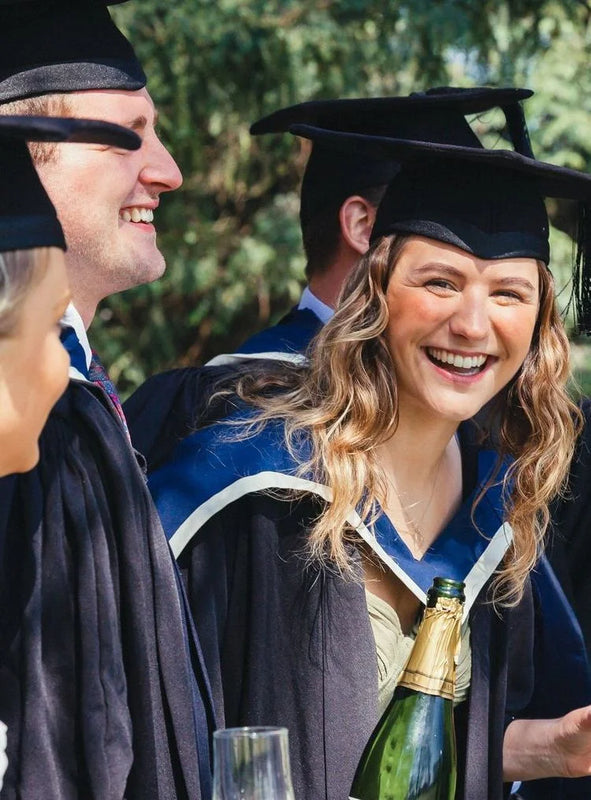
312, 303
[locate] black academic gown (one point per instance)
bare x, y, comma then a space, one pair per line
169, 406
96, 684
570, 541
287, 644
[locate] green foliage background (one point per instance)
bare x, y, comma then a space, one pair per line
231, 234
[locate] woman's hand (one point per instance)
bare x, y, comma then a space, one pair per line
546, 748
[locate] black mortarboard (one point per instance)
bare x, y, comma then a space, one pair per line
63, 46
437, 116
27, 216
488, 202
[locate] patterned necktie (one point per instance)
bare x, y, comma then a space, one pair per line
99, 375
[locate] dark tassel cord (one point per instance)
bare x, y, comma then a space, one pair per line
582, 271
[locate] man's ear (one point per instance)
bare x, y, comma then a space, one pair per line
356, 217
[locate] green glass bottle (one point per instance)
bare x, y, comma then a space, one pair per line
411, 754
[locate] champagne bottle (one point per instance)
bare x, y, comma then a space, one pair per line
411, 754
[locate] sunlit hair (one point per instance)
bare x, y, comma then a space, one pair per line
346, 400
20, 270
537, 425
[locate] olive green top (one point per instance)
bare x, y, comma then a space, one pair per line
393, 649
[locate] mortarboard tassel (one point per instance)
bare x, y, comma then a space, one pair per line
517, 127
582, 271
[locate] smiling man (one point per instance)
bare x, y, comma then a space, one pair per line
75, 62
101, 684
109, 228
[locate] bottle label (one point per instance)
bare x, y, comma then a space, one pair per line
431, 667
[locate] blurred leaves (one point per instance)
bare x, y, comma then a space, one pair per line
231, 233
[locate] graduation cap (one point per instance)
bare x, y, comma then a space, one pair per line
487, 202
438, 115
27, 216
63, 46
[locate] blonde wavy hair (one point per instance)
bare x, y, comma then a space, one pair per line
345, 400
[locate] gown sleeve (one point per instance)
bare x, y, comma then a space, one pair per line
97, 696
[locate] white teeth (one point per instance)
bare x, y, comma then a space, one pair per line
462, 362
137, 214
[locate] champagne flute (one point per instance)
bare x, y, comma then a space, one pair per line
251, 764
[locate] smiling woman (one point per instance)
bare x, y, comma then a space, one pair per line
425, 337
424, 436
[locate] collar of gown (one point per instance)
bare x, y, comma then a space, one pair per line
211, 469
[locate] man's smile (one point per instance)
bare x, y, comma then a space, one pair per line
136, 214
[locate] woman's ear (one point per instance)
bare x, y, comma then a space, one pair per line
356, 218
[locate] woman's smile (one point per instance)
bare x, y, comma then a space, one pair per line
459, 365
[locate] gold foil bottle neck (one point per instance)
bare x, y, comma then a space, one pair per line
431, 667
